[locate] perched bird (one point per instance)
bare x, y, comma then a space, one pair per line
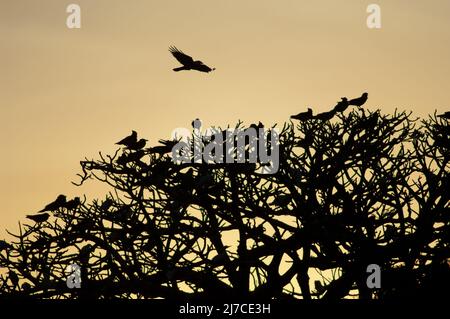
360, 100
165, 148
106, 204
188, 62
257, 126
126, 158
129, 140
303, 116
59, 202
138, 145
4, 245
325, 116
39, 218
445, 115
342, 105
73, 203
85, 252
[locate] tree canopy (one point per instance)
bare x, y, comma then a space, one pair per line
362, 188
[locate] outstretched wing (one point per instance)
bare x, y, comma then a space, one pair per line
180, 56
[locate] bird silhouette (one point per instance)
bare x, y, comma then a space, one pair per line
4, 245
39, 218
138, 145
359, 101
342, 105
325, 116
188, 62
165, 148
303, 116
73, 203
129, 140
257, 126
445, 115
106, 204
59, 202
85, 252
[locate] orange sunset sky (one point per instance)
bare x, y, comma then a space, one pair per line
68, 93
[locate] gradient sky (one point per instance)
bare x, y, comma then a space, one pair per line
67, 94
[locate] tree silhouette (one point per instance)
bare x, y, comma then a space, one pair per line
364, 188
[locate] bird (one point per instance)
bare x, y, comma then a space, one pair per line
445, 115
126, 158
59, 202
106, 204
359, 101
73, 203
4, 245
39, 218
138, 145
165, 148
188, 62
85, 252
342, 105
257, 126
129, 140
325, 116
303, 116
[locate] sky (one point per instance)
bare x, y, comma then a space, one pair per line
66, 94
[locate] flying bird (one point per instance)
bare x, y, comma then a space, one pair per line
39, 218
342, 105
445, 115
59, 202
129, 140
359, 101
188, 62
303, 116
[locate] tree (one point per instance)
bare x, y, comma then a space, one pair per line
364, 188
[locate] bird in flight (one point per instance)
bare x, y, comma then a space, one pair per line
58, 203
188, 62
303, 116
359, 101
39, 218
445, 115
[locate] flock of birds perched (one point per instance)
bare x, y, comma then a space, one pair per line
132, 142
341, 106
60, 202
